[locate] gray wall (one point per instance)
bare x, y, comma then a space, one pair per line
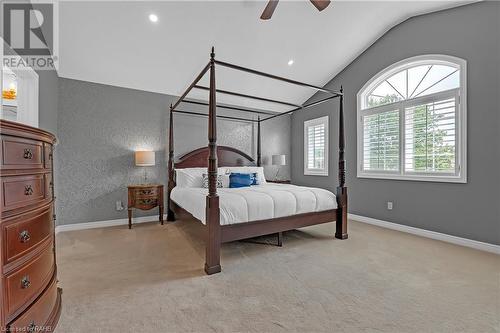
100, 126
469, 210
48, 100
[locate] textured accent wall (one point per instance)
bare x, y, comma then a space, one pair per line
471, 210
100, 126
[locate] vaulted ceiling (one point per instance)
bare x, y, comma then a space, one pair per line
115, 43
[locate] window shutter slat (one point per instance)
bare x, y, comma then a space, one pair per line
381, 141
430, 143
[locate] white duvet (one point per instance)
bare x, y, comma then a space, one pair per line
255, 203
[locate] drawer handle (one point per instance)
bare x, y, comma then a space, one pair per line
24, 236
28, 154
25, 282
28, 190
147, 191
31, 327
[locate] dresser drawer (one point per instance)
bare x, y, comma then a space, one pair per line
26, 282
19, 153
49, 186
25, 232
21, 191
40, 314
48, 155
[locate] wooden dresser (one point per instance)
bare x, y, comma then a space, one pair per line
30, 300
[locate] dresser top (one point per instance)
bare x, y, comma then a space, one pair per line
17, 129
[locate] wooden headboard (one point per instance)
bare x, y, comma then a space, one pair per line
226, 156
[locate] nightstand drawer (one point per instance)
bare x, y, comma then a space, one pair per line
146, 192
146, 204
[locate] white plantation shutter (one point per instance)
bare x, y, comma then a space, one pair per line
316, 146
412, 121
381, 141
430, 136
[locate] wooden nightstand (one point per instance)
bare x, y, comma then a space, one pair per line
279, 181
145, 197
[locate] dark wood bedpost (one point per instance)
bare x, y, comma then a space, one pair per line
171, 183
213, 240
341, 224
259, 153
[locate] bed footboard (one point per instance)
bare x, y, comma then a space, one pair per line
238, 231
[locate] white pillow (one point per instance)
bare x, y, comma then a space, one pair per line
189, 177
193, 177
222, 180
261, 179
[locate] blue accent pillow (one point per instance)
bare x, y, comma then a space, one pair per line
240, 180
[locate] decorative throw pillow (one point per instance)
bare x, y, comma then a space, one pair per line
255, 178
240, 180
261, 179
220, 182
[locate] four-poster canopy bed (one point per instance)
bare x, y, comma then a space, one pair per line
222, 156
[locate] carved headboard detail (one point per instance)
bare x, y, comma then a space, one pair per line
226, 156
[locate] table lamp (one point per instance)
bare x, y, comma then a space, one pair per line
278, 160
145, 159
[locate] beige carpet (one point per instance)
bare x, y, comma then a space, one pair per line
150, 279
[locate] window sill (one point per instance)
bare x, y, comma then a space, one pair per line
312, 173
420, 178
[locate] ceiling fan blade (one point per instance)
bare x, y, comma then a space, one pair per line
269, 10
320, 4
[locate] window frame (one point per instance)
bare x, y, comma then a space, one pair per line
460, 94
313, 122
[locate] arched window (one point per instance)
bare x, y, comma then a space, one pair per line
412, 121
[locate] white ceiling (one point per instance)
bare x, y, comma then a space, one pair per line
115, 43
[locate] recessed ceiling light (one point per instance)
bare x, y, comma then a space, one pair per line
290, 62
153, 18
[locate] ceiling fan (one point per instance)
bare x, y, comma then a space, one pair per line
271, 6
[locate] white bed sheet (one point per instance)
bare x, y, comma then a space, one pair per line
255, 203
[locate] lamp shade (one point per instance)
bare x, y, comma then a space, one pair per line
279, 160
144, 158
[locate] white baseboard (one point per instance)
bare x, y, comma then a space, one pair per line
380, 223
429, 234
107, 223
